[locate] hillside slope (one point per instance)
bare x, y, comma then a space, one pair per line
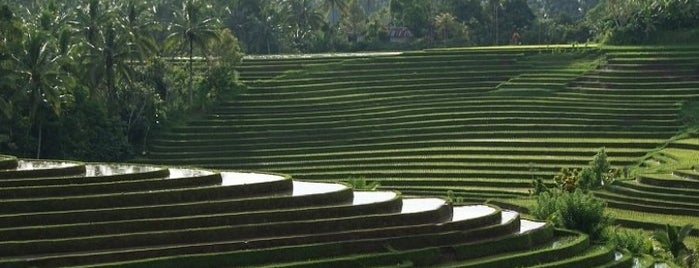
479, 122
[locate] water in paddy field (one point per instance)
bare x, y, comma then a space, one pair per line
361, 198
242, 178
96, 170
421, 204
178, 173
508, 215
42, 164
309, 188
527, 225
471, 212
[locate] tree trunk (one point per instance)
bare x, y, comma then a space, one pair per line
39, 140
191, 73
109, 66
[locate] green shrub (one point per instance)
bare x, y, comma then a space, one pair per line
600, 168
362, 184
577, 211
634, 241
545, 208
567, 179
597, 174
453, 198
671, 239
539, 187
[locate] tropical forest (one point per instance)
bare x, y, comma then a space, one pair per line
349, 133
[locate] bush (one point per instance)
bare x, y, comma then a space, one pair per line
577, 211
567, 179
597, 174
545, 208
633, 241
362, 184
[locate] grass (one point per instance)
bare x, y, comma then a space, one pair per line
674, 159
677, 220
393, 120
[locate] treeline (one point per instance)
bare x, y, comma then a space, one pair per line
287, 26
90, 79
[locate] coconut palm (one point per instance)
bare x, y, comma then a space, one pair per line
95, 22
192, 29
331, 7
111, 42
303, 18
37, 67
139, 24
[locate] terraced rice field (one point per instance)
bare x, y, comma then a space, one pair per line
61, 213
480, 123
430, 121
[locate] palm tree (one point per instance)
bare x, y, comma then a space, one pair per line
445, 24
672, 238
192, 29
11, 32
108, 46
332, 6
95, 22
139, 24
38, 69
303, 18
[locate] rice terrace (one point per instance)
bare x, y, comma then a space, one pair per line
520, 155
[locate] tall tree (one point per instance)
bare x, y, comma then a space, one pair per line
95, 21
257, 24
355, 23
10, 36
446, 26
332, 7
517, 14
507, 16
192, 29
139, 26
303, 18
37, 66
414, 14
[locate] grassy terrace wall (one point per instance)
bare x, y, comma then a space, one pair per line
479, 122
123, 215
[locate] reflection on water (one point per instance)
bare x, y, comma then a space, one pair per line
95, 170
527, 225
508, 215
413, 205
178, 173
471, 212
361, 198
309, 188
241, 178
42, 164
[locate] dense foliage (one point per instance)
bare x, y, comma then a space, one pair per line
645, 21
570, 204
89, 79
577, 211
